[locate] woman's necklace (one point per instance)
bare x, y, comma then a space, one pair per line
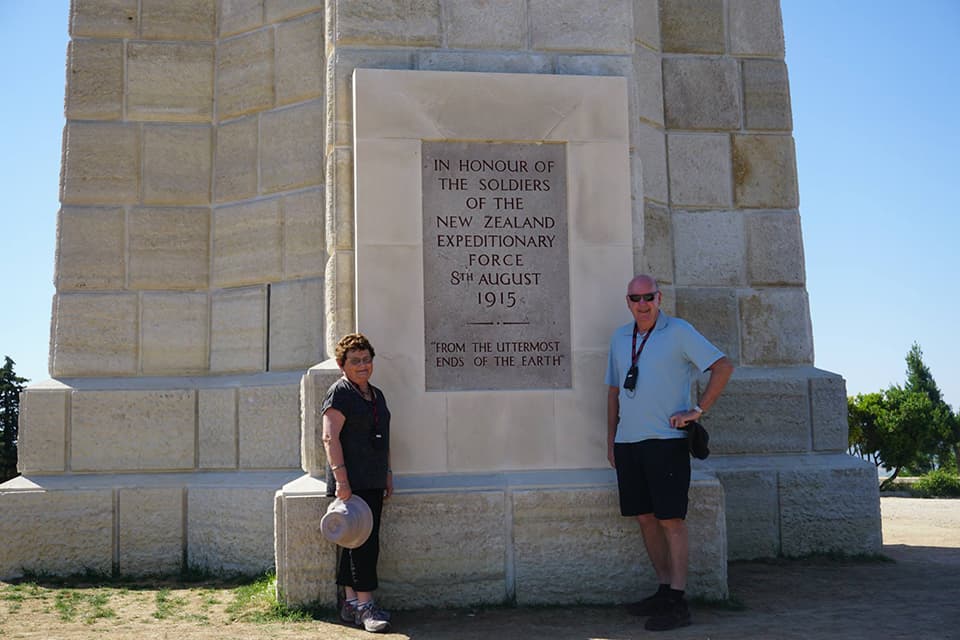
366, 395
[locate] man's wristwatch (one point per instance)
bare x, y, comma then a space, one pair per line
698, 409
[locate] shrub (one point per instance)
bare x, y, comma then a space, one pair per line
938, 484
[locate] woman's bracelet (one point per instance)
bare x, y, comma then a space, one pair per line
334, 467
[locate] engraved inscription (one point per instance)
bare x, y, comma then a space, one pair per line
495, 266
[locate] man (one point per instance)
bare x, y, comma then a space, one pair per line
652, 364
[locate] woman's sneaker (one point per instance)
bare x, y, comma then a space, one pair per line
348, 612
372, 618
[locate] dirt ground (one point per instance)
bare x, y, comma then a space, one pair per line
913, 596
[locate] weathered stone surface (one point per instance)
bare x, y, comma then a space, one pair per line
177, 164
766, 95
90, 249
235, 160
578, 446
755, 27
598, 179
338, 298
412, 23
238, 331
484, 61
752, 513
709, 248
296, 324
692, 26
290, 144
567, 537
466, 538
104, 18
833, 509
485, 25
313, 388
774, 248
765, 172
775, 327
101, 163
657, 242
169, 81
174, 330
94, 80
276, 10
230, 530
306, 562
701, 93
828, 403
700, 174
237, 16
269, 427
602, 25
245, 74
246, 243
483, 434
648, 76
646, 22
178, 19
128, 430
299, 59
151, 530
759, 413
41, 442
168, 248
714, 313
304, 241
339, 212
69, 532
650, 146
217, 428
339, 94
94, 334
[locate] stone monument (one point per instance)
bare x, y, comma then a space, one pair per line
471, 184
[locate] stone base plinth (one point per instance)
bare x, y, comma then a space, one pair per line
794, 505
136, 524
552, 537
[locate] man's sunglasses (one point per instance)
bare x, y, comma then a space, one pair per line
646, 297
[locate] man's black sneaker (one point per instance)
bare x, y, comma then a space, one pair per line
676, 615
649, 606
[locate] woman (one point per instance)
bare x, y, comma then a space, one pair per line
356, 438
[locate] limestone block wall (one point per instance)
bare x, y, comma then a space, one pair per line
135, 523
715, 189
191, 238
242, 423
524, 538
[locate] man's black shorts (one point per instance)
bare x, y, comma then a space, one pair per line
653, 476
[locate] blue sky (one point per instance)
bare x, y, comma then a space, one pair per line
875, 90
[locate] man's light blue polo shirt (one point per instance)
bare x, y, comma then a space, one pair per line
669, 364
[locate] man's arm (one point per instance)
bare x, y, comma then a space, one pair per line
613, 417
720, 372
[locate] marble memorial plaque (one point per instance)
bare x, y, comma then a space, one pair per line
496, 276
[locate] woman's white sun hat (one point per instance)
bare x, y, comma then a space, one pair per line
347, 523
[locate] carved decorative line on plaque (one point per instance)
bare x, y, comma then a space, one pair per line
495, 266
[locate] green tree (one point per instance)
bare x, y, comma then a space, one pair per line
10, 387
890, 429
863, 417
945, 426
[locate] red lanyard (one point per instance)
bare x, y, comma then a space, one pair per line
634, 352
